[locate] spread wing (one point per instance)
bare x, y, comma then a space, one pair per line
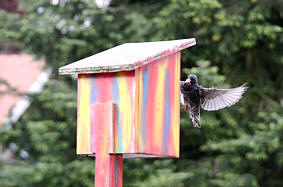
215, 99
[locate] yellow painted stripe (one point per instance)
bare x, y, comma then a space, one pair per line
141, 141
176, 117
83, 131
125, 107
137, 109
159, 105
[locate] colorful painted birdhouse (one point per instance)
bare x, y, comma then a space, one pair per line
128, 100
140, 81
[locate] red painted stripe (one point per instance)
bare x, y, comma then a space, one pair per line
78, 98
102, 127
131, 90
104, 81
108, 170
116, 173
150, 115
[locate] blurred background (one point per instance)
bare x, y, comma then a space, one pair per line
237, 41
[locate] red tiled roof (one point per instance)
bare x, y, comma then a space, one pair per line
20, 71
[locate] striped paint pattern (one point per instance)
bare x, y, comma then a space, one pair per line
159, 107
117, 88
147, 108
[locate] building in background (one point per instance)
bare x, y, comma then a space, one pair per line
20, 75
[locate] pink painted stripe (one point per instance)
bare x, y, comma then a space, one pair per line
150, 117
174, 84
104, 83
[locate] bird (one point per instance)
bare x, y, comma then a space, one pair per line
193, 97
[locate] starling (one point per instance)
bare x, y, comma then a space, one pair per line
194, 96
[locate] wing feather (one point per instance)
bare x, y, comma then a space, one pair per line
182, 99
215, 99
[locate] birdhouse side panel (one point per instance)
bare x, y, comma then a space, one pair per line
117, 88
159, 106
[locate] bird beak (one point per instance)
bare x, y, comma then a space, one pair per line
188, 81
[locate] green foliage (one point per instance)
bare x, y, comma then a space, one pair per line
237, 42
45, 141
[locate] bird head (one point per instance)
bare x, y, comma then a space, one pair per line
192, 79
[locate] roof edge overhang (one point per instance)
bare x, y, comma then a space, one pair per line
128, 67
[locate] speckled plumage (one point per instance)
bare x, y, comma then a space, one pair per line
194, 96
192, 101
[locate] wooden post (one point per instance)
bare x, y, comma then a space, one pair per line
142, 79
108, 170
108, 167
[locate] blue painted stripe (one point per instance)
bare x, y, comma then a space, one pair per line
144, 103
167, 116
94, 90
115, 93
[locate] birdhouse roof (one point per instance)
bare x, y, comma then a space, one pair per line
126, 57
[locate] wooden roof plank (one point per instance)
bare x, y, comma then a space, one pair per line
126, 57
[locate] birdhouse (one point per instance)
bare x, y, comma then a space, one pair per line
129, 100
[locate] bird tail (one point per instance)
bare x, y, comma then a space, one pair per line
195, 116
196, 121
